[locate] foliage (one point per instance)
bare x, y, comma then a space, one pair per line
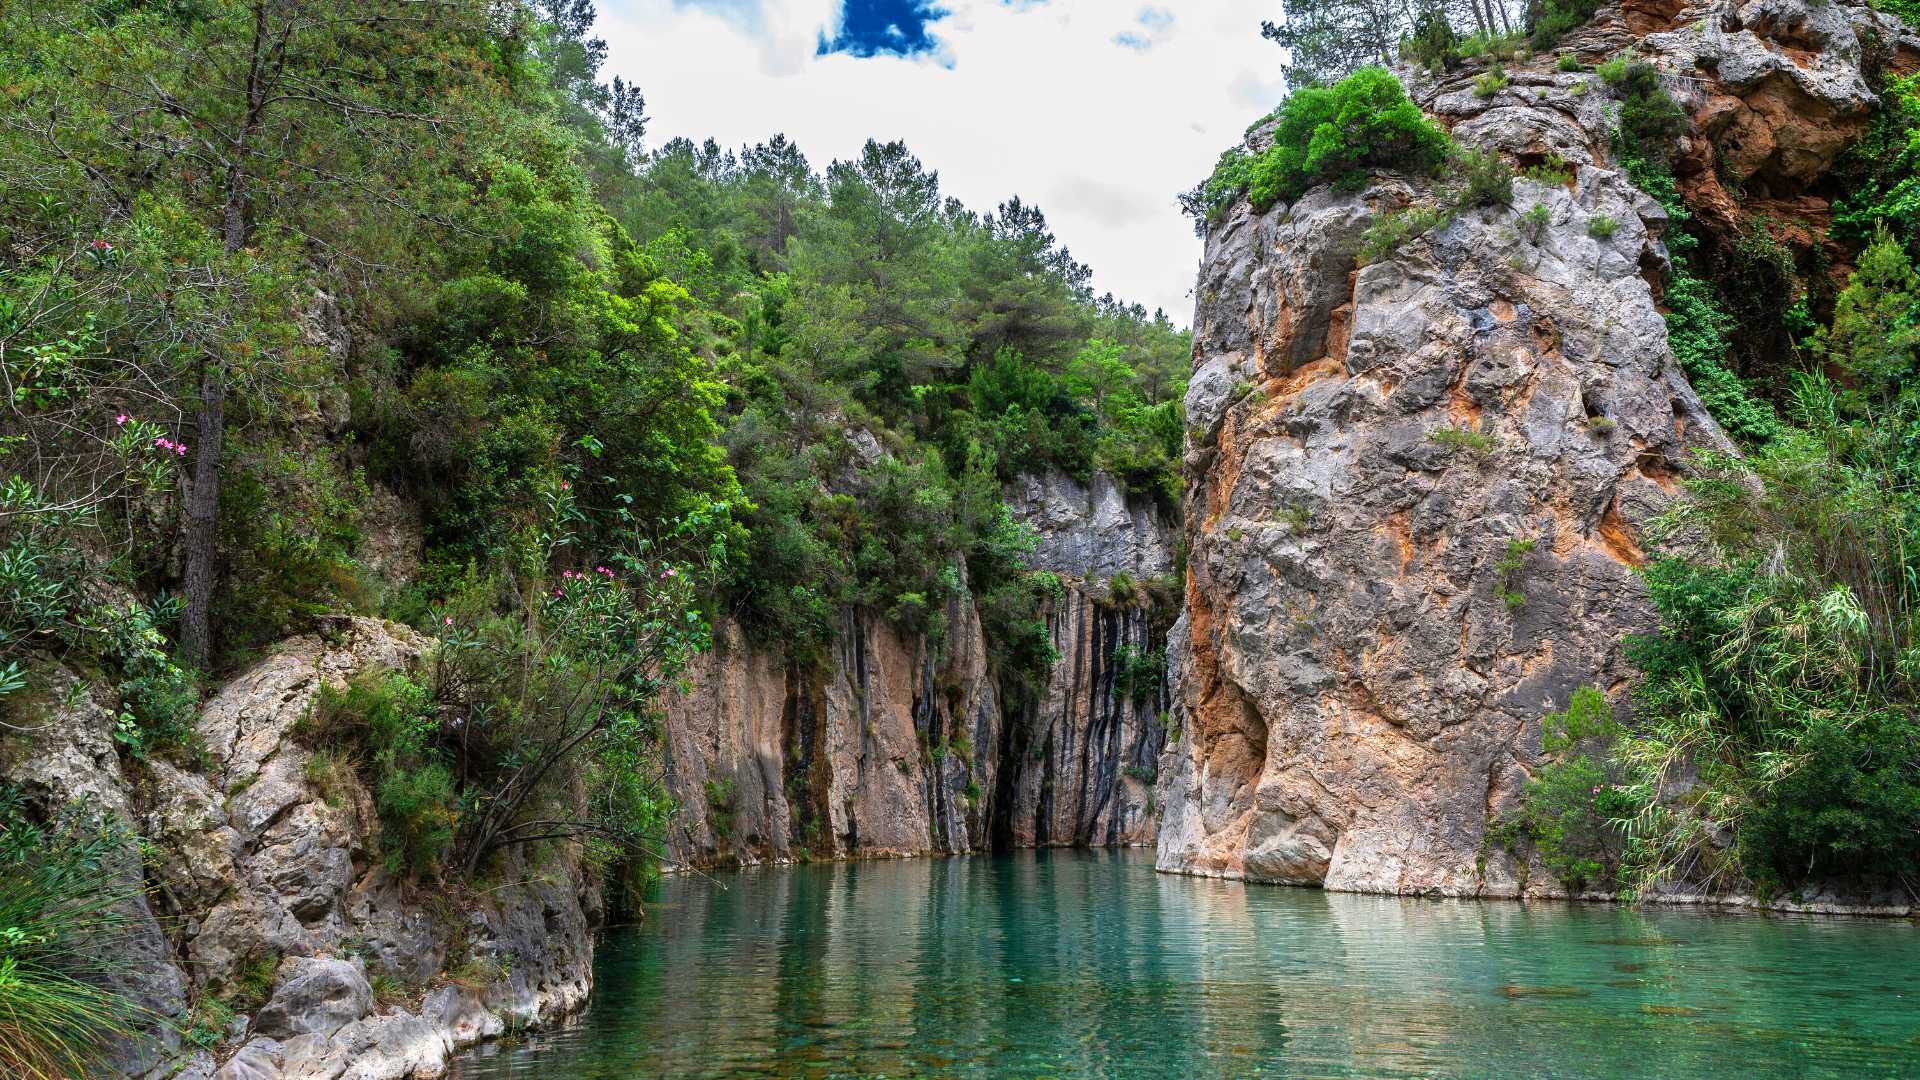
1907, 10
1322, 135
1491, 82
1389, 232
1483, 177
1511, 562
64, 887
1879, 174
1773, 737
891, 361
389, 719
1138, 673
1553, 19
1700, 328
1570, 811
1649, 117
1462, 438
1602, 227
1534, 222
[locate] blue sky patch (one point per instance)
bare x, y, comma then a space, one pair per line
884, 28
1153, 25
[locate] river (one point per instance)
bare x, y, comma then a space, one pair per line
1076, 963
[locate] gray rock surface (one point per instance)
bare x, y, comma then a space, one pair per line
1417, 490
1360, 681
252, 865
1091, 531
899, 746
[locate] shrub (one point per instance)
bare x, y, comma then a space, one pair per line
64, 890
1458, 438
1555, 171
1613, 70
1508, 567
1552, 19
1570, 62
1908, 11
1850, 809
1879, 173
1332, 134
1387, 233
1533, 223
1490, 83
385, 721
1570, 810
1485, 179
1433, 44
1137, 673
1602, 227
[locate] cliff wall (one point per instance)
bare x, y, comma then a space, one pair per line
262, 923
904, 746
1417, 490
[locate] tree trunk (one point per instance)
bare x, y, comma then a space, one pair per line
203, 516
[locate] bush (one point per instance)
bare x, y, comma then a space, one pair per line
1569, 62
1570, 812
1485, 178
1491, 83
64, 890
1390, 231
384, 721
1138, 673
1879, 174
1602, 227
1533, 223
1849, 810
1458, 438
1333, 134
1552, 20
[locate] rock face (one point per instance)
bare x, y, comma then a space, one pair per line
901, 746
1416, 494
260, 878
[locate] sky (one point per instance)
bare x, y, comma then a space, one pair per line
1099, 111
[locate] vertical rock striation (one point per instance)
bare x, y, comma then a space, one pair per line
1417, 490
902, 746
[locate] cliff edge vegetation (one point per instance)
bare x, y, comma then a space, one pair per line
387, 427
1600, 177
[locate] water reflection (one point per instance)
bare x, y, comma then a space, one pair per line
1090, 964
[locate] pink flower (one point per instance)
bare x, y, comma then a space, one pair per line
180, 449
564, 486
1596, 791
101, 245
448, 620
163, 443
120, 421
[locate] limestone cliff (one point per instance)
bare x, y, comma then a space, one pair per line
1376, 618
903, 746
258, 873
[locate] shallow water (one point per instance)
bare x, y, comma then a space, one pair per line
1091, 964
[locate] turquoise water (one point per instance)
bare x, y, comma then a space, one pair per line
1091, 964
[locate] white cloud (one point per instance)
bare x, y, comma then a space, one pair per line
1025, 98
